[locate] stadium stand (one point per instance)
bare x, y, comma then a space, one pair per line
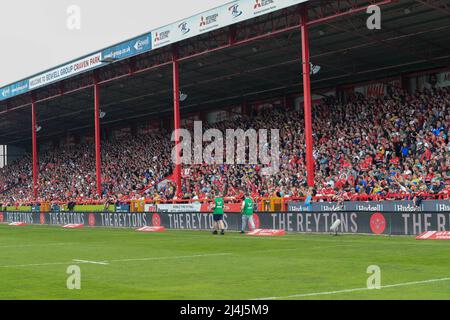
389, 147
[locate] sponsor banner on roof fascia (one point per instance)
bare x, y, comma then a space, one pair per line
129, 48
14, 90
66, 71
226, 15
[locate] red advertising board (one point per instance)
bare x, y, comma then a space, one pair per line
267, 233
434, 235
151, 229
74, 226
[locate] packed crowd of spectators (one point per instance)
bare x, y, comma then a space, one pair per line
364, 148
129, 165
15, 174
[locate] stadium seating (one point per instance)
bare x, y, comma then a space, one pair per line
364, 148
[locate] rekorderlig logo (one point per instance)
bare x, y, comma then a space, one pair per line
161, 36
184, 27
235, 11
209, 22
263, 5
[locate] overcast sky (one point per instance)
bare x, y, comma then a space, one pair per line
35, 36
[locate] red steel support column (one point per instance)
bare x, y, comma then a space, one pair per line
98, 172
176, 111
34, 152
307, 96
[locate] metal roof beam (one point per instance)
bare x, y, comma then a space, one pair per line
338, 13
384, 43
438, 5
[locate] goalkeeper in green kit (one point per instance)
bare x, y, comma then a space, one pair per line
247, 213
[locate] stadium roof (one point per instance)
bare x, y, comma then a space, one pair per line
253, 60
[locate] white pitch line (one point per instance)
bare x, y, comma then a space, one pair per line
36, 265
404, 284
109, 261
91, 262
51, 264
173, 257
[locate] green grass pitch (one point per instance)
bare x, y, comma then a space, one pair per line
197, 265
